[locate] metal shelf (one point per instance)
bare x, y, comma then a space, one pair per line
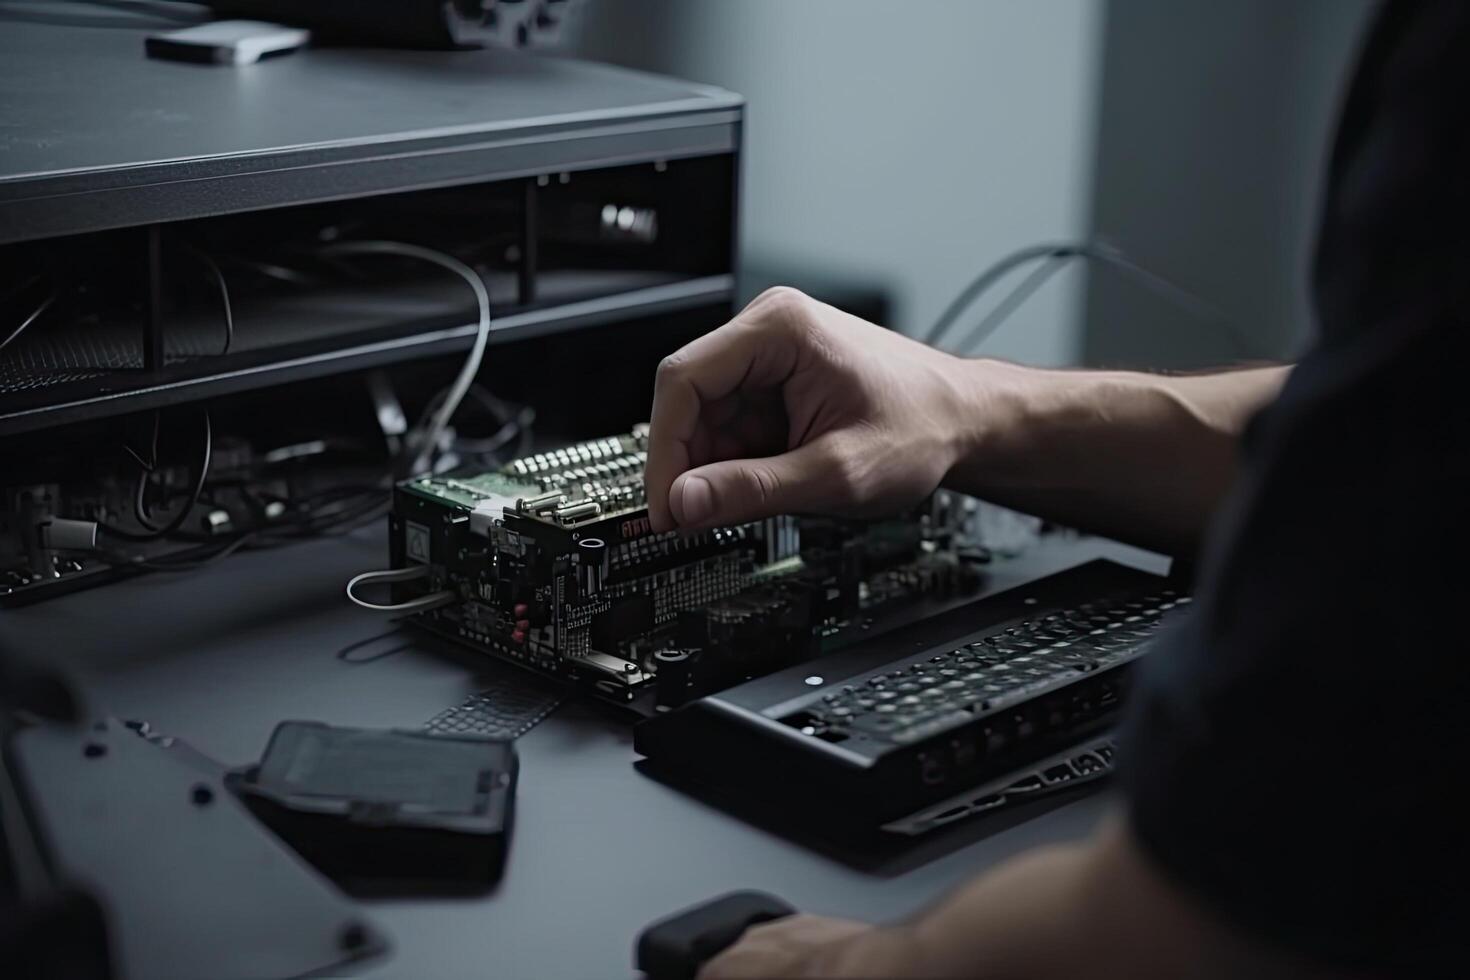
99, 136
119, 392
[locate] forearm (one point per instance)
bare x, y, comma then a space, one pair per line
1141, 457
1025, 919
1072, 911
1094, 909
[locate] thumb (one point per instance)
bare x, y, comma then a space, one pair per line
736, 491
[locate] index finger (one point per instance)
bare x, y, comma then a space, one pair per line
747, 352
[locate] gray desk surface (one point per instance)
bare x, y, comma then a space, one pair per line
219, 657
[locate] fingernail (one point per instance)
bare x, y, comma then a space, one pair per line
697, 501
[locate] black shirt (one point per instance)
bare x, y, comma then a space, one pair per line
1299, 753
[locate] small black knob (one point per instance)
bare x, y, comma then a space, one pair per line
591, 565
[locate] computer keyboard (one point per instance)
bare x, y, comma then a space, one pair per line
915, 699
1007, 697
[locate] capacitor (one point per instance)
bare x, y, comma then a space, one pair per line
591, 565
542, 501
571, 512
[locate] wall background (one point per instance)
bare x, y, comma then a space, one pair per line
1214, 123
908, 145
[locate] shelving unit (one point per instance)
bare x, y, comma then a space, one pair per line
115, 167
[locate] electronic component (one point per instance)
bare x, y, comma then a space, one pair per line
1008, 697
111, 510
556, 567
376, 809
226, 42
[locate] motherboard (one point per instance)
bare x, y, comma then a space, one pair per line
553, 564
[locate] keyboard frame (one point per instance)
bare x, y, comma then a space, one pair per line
736, 739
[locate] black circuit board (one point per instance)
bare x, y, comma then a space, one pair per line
558, 569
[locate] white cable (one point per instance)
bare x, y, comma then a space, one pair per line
431, 601
440, 421
35, 315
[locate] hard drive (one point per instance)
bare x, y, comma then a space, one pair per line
382, 811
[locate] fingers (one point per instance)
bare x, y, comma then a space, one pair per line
755, 350
735, 491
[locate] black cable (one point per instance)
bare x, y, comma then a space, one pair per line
1011, 302
182, 561
515, 422
140, 504
152, 461
1061, 252
183, 514
209, 552
502, 436
988, 278
224, 295
275, 271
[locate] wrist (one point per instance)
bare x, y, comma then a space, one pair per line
1004, 409
1027, 427
892, 951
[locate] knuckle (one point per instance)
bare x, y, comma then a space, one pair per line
787, 314
782, 295
672, 365
784, 303
763, 483
845, 476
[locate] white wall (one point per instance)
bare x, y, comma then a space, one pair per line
910, 143
1215, 121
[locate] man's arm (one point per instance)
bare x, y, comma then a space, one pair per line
1141, 457
1097, 909
797, 407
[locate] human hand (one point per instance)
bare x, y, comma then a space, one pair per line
797, 407
796, 946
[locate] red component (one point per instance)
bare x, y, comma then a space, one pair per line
519, 636
523, 624
520, 609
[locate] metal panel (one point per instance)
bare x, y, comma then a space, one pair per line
70, 205
151, 393
96, 135
170, 853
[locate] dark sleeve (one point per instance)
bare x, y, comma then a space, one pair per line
1296, 755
